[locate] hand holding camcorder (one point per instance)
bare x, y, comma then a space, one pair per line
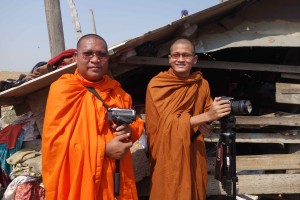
121, 116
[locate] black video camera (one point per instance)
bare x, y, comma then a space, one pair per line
121, 116
240, 107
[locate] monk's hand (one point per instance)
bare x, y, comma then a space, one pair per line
205, 129
121, 130
218, 109
116, 148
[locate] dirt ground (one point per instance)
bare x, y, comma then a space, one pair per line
10, 75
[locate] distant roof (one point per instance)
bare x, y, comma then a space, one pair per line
201, 18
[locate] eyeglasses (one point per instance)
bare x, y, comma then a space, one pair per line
186, 56
88, 55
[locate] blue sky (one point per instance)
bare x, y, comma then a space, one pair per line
24, 34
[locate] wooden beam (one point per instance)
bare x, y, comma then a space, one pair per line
259, 184
262, 162
290, 76
146, 61
37, 83
263, 120
288, 93
275, 138
268, 121
116, 70
55, 27
75, 19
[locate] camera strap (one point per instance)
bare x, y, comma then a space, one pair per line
92, 90
195, 135
117, 172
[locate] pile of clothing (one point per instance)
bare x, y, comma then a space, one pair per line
20, 173
63, 59
26, 181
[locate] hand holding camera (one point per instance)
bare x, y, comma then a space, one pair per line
122, 130
219, 108
116, 148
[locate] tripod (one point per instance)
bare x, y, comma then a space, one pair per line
226, 153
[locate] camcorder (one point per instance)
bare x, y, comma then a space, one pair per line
225, 162
121, 116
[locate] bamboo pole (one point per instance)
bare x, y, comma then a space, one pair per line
93, 21
75, 19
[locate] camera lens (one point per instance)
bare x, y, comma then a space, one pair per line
241, 107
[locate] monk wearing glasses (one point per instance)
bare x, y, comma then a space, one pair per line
179, 108
79, 145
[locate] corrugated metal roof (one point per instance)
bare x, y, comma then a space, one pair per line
201, 18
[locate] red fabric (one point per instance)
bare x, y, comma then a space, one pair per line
65, 54
10, 134
30, 190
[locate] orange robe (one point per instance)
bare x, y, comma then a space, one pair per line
75, 131
178, 167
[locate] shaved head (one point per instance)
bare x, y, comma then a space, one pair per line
88, 36
182, 41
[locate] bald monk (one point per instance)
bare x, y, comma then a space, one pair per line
178, 103
79, 145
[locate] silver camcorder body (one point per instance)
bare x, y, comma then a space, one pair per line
121, 116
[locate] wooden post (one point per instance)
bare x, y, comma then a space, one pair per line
75, 20
93, 21
55, 27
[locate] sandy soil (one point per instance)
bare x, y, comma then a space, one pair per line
10, 75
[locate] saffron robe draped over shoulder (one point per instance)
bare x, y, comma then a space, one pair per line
75, 131
178, 167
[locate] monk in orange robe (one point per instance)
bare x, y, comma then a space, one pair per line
178, 103
79, 145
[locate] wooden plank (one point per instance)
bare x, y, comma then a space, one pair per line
262, 162
268, 121
151, 61
264, 120
294, 148
290, 76
37, 83
274, 138
259, 184
288, 93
